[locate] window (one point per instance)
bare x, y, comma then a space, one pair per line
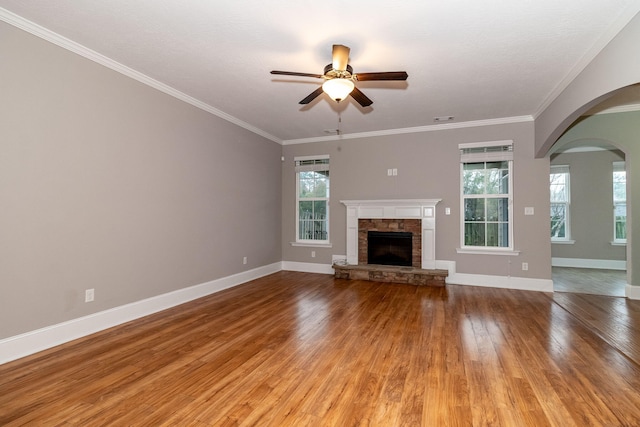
312, 200
560, 200
486, 195
619, 203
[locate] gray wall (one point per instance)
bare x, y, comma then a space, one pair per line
591, 211
622, 130
106, 183
428, 166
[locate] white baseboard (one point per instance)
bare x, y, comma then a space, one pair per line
603, 264
307, 267
22, 345
450, 266
632, 292
504, 282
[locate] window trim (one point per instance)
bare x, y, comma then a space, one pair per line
308, 242
466, 156
567, 220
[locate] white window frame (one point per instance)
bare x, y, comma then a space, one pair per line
619, 167
477, 152
563, 169
311, 242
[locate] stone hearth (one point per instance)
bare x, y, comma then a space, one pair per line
391, 274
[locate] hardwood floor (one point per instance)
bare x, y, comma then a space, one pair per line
589, 281
299, 349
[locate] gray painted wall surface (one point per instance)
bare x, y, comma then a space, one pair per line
428, 166
591, 209
106, 183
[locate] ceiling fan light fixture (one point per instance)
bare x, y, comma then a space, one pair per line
339, 79
338, 89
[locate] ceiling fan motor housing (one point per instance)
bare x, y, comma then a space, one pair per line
331, 73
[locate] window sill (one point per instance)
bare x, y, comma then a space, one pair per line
563, 242
614, 243
312, 245
488, 251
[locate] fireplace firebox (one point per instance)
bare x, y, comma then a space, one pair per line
390, 248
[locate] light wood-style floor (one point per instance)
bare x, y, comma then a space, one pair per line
301, 349
589, 281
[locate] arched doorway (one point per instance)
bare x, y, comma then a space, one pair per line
590, 255
588, 211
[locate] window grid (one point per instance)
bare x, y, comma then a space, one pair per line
486, 196
312, 200
560, 201
619, 203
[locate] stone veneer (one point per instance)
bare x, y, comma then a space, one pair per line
391, 274
393, 225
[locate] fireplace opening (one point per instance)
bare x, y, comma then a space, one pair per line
389, 248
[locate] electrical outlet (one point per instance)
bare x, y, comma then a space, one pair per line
525, 266
313, 254
89, 295
447, 211
244, 260
389, 172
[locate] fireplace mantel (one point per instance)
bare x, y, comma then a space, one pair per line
423, 209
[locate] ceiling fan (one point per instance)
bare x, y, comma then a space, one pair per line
339, 78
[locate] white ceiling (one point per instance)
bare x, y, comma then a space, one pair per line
492, 60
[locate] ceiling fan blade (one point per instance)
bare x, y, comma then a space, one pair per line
388, 75
313, 95
293, 73
360, 97
340, 57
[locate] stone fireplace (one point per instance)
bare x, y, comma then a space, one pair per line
413, 226
414, 216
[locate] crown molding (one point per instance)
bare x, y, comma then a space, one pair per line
417, 129
65, 43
